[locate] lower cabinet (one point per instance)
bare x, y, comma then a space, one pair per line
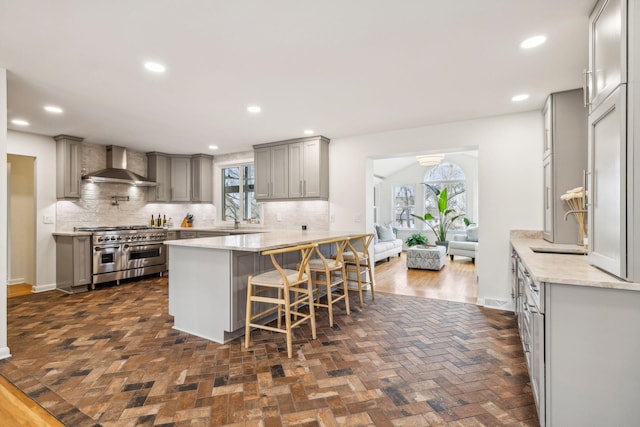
73, 263
582, 350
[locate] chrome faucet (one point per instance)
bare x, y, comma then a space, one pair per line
574, 211
236, 224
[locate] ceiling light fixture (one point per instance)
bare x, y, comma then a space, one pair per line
155, 67
309, 132
430, 160
520, 97
532, 42
213, 147
254, 109
20, 122
53, 109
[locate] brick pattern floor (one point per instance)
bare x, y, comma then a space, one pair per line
110, 357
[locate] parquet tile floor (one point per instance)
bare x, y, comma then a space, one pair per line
110, 357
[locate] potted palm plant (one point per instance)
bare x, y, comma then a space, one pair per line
446, 217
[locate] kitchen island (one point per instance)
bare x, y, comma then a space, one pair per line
208, 278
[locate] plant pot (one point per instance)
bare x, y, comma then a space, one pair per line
445, 243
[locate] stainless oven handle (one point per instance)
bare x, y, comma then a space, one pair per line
104, 248
142, 245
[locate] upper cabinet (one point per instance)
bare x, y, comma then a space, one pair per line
293, 169
202, 178
309, 169
159, 170
614, 138
68, 168
180, 178
564, 162
272, 172
607, 50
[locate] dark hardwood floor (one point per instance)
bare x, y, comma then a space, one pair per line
110, 357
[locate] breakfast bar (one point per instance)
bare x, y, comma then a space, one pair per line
208, 278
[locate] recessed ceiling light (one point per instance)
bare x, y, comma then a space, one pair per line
213, 147
53, 109
20, 122
520, 97
254, 108
533, 42
155, 67
308, 132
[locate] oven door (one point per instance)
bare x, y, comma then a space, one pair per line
107, 258
143, 255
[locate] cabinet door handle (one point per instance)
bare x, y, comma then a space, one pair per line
585, 88
584, 189
300, 188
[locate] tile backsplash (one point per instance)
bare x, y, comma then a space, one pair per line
291, 215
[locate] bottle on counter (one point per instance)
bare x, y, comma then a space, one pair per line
164, 220
159, 221
153, 222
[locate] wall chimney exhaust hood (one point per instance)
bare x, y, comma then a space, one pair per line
116, 171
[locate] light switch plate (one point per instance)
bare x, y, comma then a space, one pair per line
48, 219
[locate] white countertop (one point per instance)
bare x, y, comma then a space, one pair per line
259, 241
71, 233
561, 268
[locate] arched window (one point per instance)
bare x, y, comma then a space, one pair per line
451, 177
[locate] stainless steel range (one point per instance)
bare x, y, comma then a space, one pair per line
124, 252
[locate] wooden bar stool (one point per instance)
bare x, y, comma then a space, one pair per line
358, 262
275, 289
330, 274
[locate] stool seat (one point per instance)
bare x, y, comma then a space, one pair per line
274, 277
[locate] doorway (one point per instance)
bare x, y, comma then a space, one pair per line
21, 220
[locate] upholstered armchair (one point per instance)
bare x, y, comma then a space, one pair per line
465, 245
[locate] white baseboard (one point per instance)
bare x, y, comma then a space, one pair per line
43, 288
498, 304
17, 281
4, 353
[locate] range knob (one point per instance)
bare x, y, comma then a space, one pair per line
100, 239
113, 237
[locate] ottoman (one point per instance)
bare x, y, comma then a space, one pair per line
426, 258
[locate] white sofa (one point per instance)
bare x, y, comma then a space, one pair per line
385, 244
465, 245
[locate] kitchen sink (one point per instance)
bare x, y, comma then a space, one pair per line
560, 251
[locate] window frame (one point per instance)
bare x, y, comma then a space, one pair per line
242, 201
411, 222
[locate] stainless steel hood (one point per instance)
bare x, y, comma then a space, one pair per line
116, 171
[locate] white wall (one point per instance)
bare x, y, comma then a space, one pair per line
22, 218
4, 350
44, 150
509, 182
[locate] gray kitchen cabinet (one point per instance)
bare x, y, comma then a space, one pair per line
188, 234
68, 166
172, 235
613, 139
591, 356
565, 163
180, 178
293, 169
202, 178
209, 233
73, 263
309, 168
272, 172
159, 170
607, 50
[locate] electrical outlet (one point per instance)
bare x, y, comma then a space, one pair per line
357, 218
332, 218
278, 217
47, 219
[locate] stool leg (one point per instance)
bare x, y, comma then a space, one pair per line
312, 311
359, 273
247, 330
287, 321
373, 294
329, 301
346, 290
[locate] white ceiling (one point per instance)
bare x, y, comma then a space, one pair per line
339, 67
